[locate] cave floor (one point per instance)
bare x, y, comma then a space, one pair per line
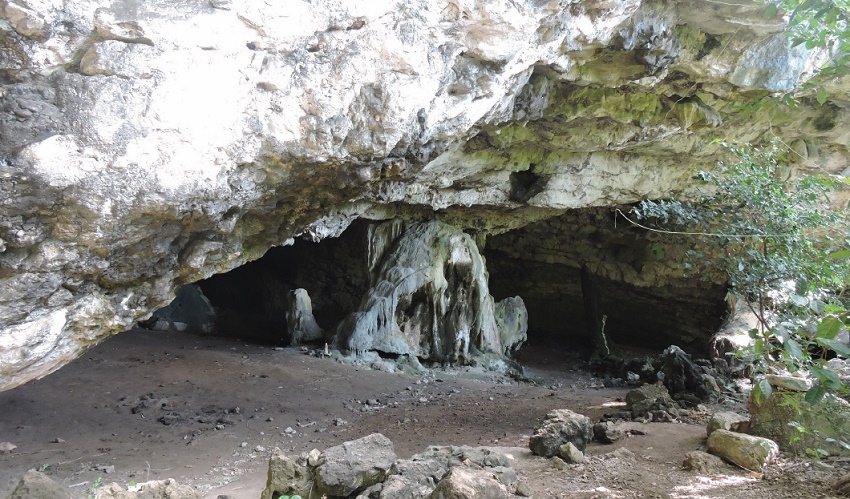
207, 411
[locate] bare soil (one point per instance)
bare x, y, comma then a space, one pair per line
207, 411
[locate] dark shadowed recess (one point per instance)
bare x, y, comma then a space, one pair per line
250, 301
542, 262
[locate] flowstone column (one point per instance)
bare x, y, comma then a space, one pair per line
429, 298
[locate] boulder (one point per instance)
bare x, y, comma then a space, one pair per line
683, 376
465, 483
36, 485
559, 427
288, 476
570, 453
703, 462
606, 432
747, 451
829, 419
727, 420
355, 465
404, 487
647, 398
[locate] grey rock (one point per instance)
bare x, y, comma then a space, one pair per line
648, 398
570, 453
703, 462
559, 427
355, 465
463, 483
746, 451
38, 485
288, 476
726, 420
607, 432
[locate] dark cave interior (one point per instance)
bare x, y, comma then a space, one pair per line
541, 262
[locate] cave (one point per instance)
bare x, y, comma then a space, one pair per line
588, 283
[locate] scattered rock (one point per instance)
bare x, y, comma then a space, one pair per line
703, 462
464, 483
747, 451
57, 440
606, 432
155, 489
559, 427
287, 477
682, 375
570, 453
355, 465
35, 485
727, 420
7, 447
641, 401
105, 468
259, 448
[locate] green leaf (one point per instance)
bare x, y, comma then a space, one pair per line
839, 255
770, 11
836, 346
821, 95
794, 349
830, 327
815, 394
762, 389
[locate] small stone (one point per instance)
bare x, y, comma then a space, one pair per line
259, 448
289, 430
314, 458
570, 453
703, 462
243, 444
606, 433
523, 489
725, 420
57, 440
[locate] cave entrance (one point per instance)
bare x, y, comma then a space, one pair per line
252, 301
581, 272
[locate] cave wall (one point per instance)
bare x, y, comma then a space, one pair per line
648, 301
145, 145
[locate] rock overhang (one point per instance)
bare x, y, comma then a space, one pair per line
151, 145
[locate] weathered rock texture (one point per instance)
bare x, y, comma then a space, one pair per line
151, 144
429, 298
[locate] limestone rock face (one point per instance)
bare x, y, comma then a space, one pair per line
145, 145
430, 299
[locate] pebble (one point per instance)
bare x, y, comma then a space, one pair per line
259, 448
289, 430
243, 444
57, 440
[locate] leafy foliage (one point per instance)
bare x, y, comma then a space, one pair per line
783, 250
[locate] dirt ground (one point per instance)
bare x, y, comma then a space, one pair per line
207, 411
